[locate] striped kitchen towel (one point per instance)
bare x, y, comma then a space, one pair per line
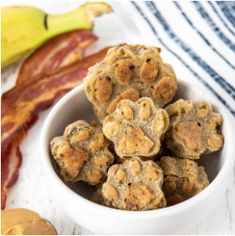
198, 38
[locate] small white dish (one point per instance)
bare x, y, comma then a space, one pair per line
176, 219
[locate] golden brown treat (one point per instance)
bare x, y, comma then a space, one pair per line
20, 221
82, 153
134, 185
129, 72
194, 129
183, 178
136, 128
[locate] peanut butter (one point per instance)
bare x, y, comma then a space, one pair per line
21, 221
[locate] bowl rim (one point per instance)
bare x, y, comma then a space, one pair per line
225, 169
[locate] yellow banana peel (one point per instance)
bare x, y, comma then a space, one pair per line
26, 28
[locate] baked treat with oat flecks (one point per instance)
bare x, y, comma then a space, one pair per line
82, 153
136, 128
134, 185
129, 72
194, 129
183, 178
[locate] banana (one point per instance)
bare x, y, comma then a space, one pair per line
26, 28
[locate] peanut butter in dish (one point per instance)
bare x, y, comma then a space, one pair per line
22, 221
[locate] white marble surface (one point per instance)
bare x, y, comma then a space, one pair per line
33, 190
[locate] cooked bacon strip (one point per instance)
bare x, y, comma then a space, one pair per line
58, 52
10, 169
22, 104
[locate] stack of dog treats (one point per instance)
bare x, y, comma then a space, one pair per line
143, 155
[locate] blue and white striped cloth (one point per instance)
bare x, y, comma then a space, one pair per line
198, 38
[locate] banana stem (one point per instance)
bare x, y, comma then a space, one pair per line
76, 19
79, 18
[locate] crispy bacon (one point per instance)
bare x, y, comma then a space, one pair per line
58, 52
22, 104
10, 169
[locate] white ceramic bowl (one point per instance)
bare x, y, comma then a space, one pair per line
73, 198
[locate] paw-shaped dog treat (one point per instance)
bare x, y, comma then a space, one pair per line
136, 128
129, 72
134, 185
183, 178
82, 153
194, 129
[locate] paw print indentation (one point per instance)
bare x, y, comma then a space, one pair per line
183, 178
129, 72
82, 153
194, 129
134, 185
136, 128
